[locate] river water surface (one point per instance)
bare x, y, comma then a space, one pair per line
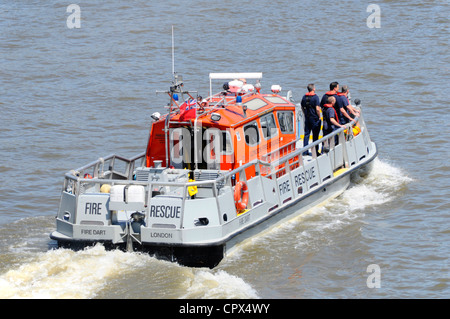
71, 95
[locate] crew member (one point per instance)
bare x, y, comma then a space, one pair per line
311, 109
351, 112
330, 118
334, 89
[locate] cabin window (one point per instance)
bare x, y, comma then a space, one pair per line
180, 147
251, 133
286, 121
276, 100
268, 126
255, 104
227, 146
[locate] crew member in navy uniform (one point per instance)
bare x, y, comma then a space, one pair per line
338, 106
351, 113
330, 118
311, 109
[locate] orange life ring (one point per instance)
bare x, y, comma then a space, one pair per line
241, 195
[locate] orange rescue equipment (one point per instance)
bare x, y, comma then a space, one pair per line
355, 129
241, 195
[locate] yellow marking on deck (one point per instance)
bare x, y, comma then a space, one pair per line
242, 212
340, 171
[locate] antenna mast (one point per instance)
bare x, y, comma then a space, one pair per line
173, 54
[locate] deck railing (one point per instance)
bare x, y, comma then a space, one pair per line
110, 170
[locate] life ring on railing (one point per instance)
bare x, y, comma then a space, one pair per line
241, 195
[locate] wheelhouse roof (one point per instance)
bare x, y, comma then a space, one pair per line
233, 114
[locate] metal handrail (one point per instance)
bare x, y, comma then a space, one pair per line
101, 160
318, 142
282, 160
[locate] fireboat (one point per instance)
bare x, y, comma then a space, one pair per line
216, 171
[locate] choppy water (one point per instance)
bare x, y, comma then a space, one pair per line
69, 96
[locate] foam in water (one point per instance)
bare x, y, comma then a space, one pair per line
385, 176
378, 187
217, 284
65, 273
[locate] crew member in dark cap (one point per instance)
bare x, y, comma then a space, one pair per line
311, 109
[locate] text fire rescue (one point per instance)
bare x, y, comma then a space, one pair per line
93, 208
163, 211
299, 179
